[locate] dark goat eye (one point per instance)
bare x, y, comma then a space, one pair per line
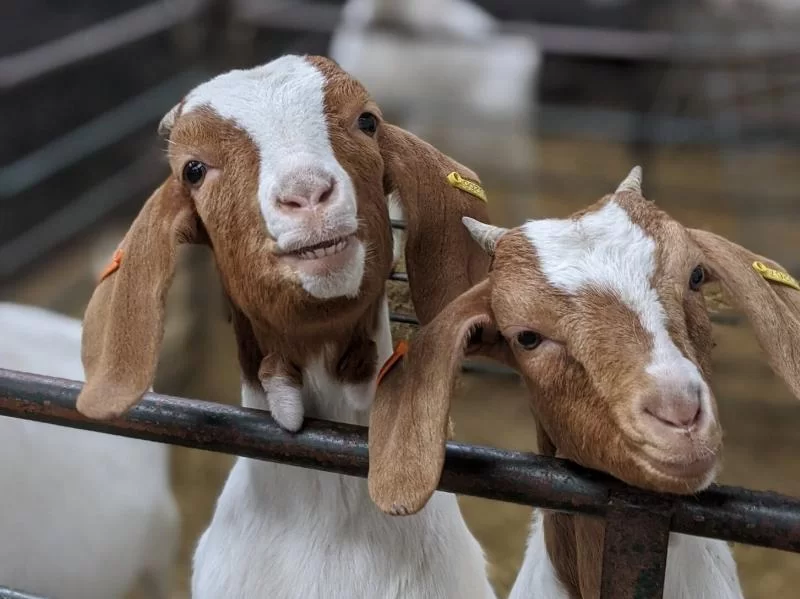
368, 123
194, 172
529, 339
697, 278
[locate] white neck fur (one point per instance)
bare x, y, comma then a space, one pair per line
696, 567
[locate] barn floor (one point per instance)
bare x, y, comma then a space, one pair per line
761, 419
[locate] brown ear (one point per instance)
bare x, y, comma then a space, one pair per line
773, 308
124, 322
409, 419
441, 258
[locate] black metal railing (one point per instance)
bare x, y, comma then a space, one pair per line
638, 522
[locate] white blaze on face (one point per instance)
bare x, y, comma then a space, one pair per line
605, 250
280, 105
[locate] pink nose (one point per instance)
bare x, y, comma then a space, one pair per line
675, 408
306, 197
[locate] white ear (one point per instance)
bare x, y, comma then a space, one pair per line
168, 122
485, 235
633, 182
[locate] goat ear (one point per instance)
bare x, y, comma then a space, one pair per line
124, 321
768, 296
435, 192
409, 418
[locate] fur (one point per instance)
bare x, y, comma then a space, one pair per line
696, 567
284, 531
70, 531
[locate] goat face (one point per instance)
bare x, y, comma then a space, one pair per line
603, 315
609, 328
284, 170
292, 191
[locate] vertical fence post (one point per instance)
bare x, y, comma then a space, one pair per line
635, 546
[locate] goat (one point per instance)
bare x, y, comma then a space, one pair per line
286, 171
68, 530
448, 73
602, 313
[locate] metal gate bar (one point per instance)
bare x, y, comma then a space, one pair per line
635, 545
729, 513
6, 593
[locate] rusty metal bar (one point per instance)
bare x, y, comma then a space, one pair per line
635, 546
7, 593
728, 513
403, 318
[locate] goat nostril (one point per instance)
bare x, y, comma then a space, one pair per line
291, 204
325, 195
682, 412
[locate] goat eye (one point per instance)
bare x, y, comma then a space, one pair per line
368, 123
529, 340
697, 278
194, 172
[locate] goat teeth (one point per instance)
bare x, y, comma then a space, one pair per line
319, 253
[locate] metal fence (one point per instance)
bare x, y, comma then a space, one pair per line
638, 523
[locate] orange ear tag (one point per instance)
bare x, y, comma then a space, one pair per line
400, 351
112, 266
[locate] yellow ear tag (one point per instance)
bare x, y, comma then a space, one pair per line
463, 184
775, 275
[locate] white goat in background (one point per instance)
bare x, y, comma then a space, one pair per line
85, 515
446, 74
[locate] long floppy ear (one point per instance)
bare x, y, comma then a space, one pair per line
435, 192
768, 296
409, 419
124, 321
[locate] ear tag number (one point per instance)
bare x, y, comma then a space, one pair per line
467, 185
775, 275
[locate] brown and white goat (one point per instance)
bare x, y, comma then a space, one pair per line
602, 314
284, 170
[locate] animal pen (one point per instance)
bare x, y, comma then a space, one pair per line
638, 523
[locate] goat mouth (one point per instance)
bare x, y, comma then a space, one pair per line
686, 470
324, 258
322, 249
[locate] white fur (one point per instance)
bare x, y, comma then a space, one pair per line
697, 568
293, 533
537, 578
280, 105
285, 402
463, 86
607, 251
84, 514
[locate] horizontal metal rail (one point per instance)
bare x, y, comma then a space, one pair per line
754, 517
106, 36
7, 593
567, 40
